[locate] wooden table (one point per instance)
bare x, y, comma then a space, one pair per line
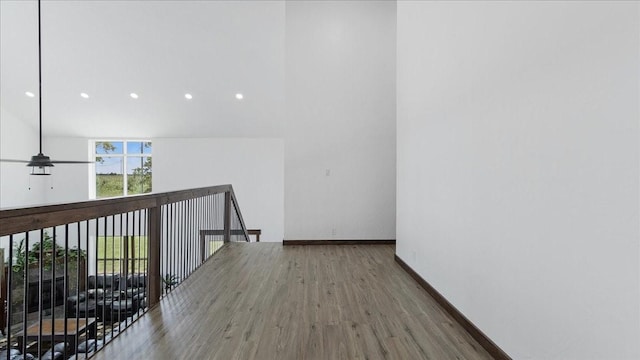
53, 331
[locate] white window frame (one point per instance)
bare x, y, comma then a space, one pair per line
92, 169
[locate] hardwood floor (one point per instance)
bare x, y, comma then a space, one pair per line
266, 301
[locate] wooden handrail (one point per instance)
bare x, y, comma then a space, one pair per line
37, 217
256, 232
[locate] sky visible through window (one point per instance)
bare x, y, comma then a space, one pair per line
122, 168
114, 164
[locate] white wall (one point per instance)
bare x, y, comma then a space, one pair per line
19, 141
340, 118
518, 167
255, 168
337, 76
69, 182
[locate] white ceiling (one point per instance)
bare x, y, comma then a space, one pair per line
158, 49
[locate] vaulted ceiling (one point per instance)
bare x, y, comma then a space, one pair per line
160, 50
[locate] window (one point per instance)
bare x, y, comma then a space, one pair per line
113, 258
122, 168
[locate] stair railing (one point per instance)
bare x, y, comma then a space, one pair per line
81, 273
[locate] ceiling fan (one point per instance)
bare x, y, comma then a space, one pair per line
41, 162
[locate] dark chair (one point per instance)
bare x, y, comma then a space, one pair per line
13, 353
136, 284
87, 346
26, 356
118, 308
85, 303
123, 308
126, 302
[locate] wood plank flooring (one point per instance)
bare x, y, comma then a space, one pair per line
266, 301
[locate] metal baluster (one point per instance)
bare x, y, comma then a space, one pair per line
171, 242
26, 294
113, 273
54, 280
9, 295
123, 246
104, 280
165, 243
184, 240
66, 285
78, 264
86, 287
41, 290
188, 228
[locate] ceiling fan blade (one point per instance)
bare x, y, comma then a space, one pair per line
71, 162
14, 161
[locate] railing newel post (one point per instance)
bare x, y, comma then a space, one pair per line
155, 231
227, 216
202, 246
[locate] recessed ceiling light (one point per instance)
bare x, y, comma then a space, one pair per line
84, 95
29, 94
239, 96
188, 96
134, 95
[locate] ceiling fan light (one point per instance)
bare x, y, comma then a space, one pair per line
40, 164
39, 171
